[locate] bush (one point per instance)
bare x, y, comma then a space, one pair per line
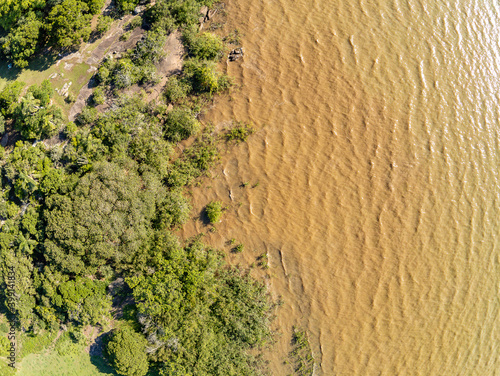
176, 89
70, 98
214, 211
95, 5
150, 49
127, 6
135, 22
98, 97
203, 74
240, 132
103, 24
88, 115
125, 74
239, 248
43, 92
180, 123
21, 42
102, 74
205, 46
9, 97
126, 35
160, 15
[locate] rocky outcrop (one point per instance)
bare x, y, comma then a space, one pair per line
236, 54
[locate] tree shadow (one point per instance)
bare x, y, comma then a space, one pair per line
96, 355
204, 217
42, 62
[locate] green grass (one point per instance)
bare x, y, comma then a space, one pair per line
52, 364
35, 344
301, 356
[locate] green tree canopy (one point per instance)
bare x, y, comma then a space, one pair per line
21, 42
12, 10
105, 219
36, 121
126, 351
200, 316
69, 23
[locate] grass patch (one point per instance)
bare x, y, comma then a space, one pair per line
301, 357
240, 132
31, 344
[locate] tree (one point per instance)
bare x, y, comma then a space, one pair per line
35, 121
95, 5
173, 210
150, 49
83, 300
203, 74
20, 44
126, 351
69, 23
9, 97
127, 6
199, 316
104, 220
43, 92
12, 10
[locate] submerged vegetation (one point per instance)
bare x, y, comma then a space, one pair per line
301, 356
84, 205
214, 211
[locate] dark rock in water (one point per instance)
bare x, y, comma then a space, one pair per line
236, 54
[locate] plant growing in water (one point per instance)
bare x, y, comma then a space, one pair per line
214, 211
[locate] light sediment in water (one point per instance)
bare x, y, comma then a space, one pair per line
377, 154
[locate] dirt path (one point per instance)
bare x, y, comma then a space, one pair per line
166, 67
109, 43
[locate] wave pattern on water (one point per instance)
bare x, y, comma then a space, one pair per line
378, 161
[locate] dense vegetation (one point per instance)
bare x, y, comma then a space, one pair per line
100, 204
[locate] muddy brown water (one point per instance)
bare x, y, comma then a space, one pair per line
377, 157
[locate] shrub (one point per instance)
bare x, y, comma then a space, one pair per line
88, 115
203, 75
98, 97
150, 49
180, 123
160, 15
125, 74
205, 46
102, 74
176, 89
127, 6
95, 5
70, 98
135, 22
214, 211
43, 92
126, 35
103, 24
9, 97
240, 132
21, 42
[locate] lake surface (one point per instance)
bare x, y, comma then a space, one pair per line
378, 162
